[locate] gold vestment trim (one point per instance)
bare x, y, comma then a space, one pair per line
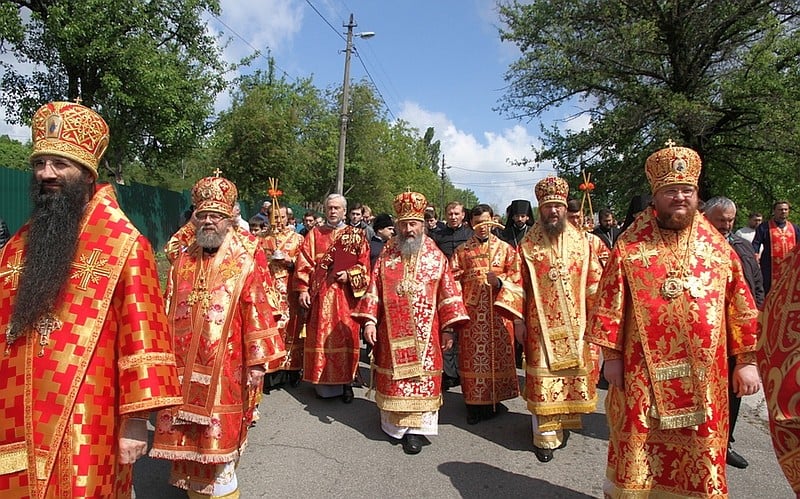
671, 372
13, 458
682, 420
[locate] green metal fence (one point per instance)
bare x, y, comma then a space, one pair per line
156, 212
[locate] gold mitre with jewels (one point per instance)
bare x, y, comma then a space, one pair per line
410, 206
552, 189
216, 194
69, 130
672, 165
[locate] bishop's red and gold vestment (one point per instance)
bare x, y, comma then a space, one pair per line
222, 325
411, 299
62, 397
673, 305
486, 363
779, 364
560, 281
287, 244
332, 342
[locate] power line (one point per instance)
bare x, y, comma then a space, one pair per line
257, 51
483, 171
358, 55
503, 185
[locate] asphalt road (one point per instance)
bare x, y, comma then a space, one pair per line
311, 448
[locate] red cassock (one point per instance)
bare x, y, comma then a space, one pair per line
486, 363
673, 305
332, 337
61, 403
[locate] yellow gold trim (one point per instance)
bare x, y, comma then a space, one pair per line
41, 468
671, 372
146, 359
13, 458
682, 420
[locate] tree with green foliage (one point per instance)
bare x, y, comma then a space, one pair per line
719, 76
14, 154
276, 128
149, 67
289, 130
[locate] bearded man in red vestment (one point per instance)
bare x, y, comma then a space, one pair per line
225, 335
560, 273
409, 312
87, 351
672, 305
331, 274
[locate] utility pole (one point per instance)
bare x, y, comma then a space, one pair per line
444, 178
343, 116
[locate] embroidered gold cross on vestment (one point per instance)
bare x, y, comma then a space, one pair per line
90, 268
14, 268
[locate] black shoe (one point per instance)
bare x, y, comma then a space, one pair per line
473, 414
734, 459
412, 444
294, 378
564, 440
348, 396
543, 455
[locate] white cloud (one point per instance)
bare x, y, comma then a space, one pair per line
266, 25
482, 165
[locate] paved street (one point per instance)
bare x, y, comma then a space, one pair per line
310, 448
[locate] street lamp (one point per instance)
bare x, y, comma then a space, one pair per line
343, 117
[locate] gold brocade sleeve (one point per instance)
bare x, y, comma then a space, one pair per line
305, 262
511, 297
742, 313
604, 327
148, 377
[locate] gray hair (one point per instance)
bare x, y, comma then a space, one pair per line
336, 197
720, 202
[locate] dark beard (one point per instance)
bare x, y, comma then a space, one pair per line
409, 246
676, 221
52, 242
554, 228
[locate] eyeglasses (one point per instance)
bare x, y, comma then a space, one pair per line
210, 215
686, 192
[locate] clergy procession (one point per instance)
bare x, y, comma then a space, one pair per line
664, 323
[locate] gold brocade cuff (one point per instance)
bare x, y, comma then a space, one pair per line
746, 358
611, 354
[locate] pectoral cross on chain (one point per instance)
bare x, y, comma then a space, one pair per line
44, 327
200, 295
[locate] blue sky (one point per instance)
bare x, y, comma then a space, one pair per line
436, 63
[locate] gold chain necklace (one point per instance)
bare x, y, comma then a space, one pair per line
678, 276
